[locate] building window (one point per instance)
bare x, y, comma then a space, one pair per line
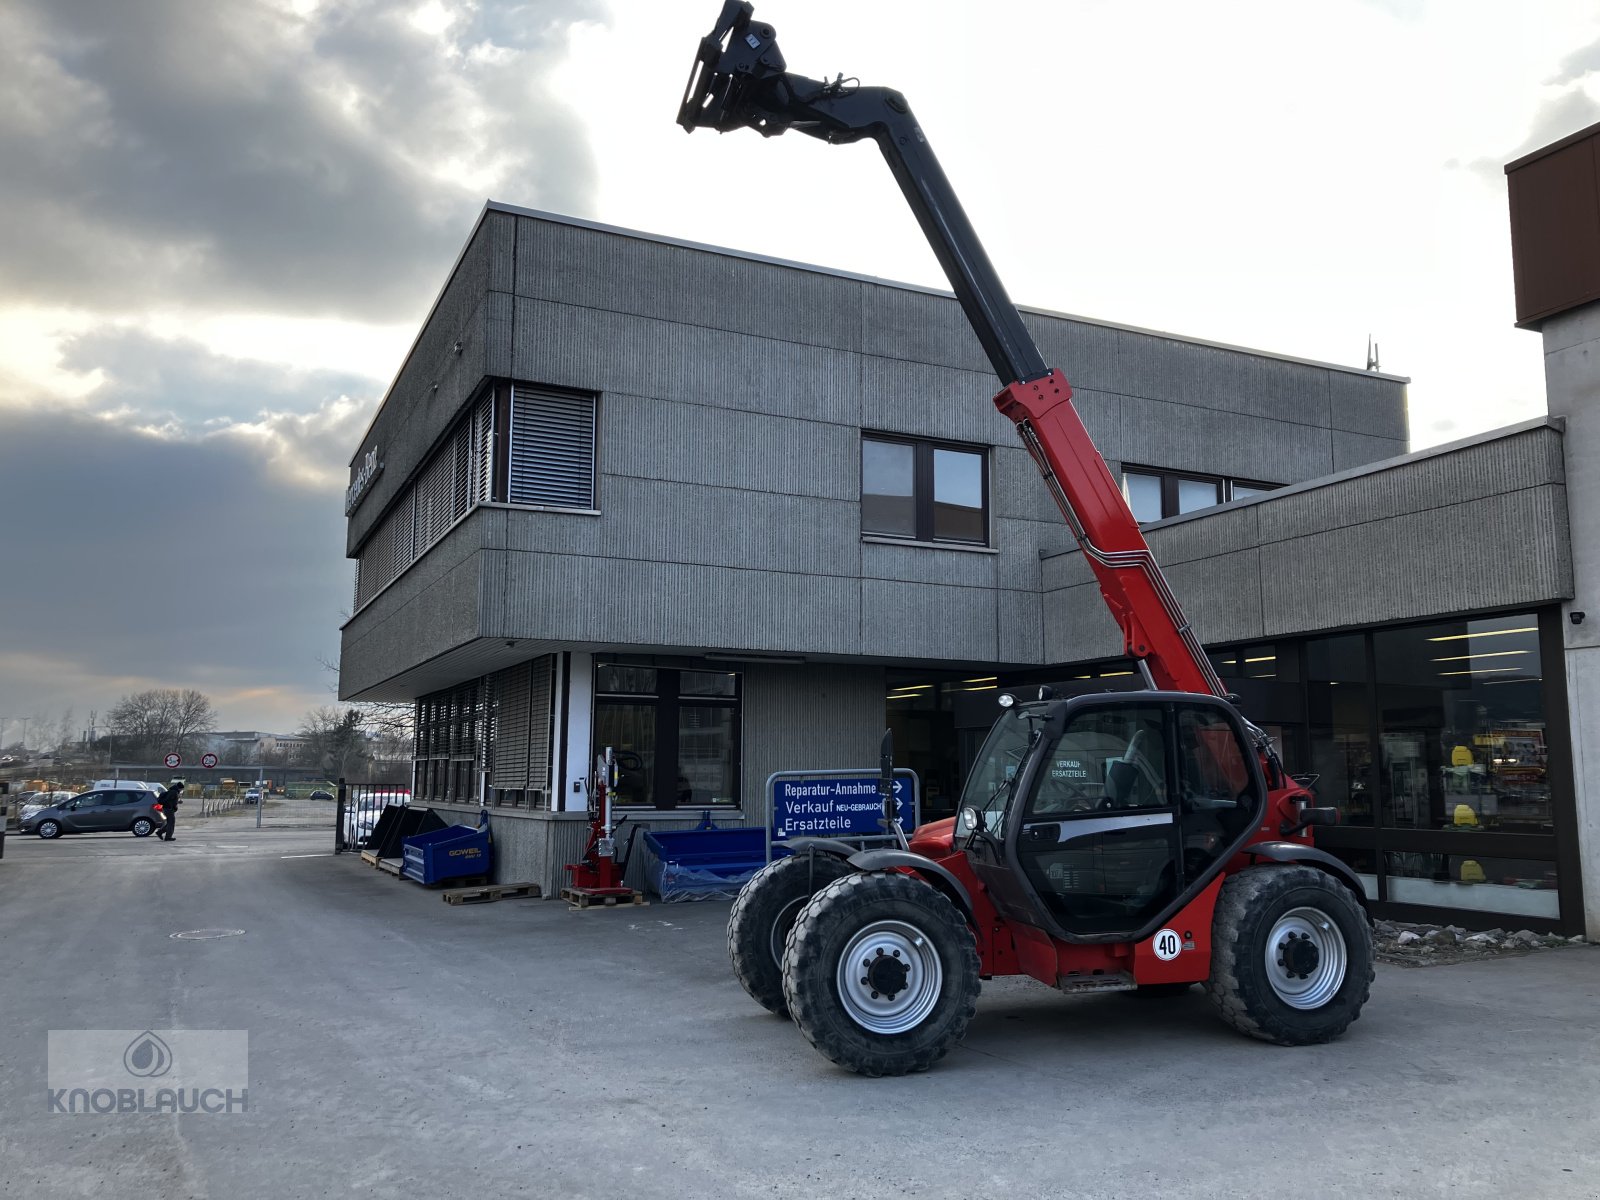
448, 731
1154, 495
924, 491
674, 734
551, 459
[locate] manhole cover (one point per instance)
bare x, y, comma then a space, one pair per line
198, 935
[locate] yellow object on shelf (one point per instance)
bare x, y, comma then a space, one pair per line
1464, 816
1471, 871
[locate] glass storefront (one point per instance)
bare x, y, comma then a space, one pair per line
1432, 742
1435, 743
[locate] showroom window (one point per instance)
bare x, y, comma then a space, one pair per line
1155, 495
924, 491
675, 735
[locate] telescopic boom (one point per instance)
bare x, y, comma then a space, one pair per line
740, 79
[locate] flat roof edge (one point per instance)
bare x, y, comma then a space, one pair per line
840, 273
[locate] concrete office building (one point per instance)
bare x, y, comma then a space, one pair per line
734, 516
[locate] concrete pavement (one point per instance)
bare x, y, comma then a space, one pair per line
403, 1047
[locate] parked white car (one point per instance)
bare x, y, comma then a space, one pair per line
364, 809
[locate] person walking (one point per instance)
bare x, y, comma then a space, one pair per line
169, 809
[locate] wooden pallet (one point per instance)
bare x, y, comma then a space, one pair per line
370, 857
577, 899
491, 892
391, 865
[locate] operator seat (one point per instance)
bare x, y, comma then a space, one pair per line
1137, 780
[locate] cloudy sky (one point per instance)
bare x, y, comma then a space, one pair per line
224, 222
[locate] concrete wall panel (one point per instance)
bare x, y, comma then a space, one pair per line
696, 444
1358, 449
1369, 404
564, 346
1420, 564
1196, 438
694, 524
602, 271
1223, 380
921, 328
619, 602
923, 620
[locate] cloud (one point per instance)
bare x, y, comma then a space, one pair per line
315, 158
132, 560
1556, 118
1578, 64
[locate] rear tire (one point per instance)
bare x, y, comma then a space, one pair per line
143, 827
1291, 957
880, 973
763, 914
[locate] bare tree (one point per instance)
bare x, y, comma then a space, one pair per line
161, 720
335, 741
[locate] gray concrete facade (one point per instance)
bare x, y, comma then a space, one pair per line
1384, 543
733, 393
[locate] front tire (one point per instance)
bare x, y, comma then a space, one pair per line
880, 973
143, 827
763, 914
1291, 957
49, 829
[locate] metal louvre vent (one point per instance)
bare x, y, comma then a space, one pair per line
461, 470
540, 688
483, 450
433, 499
386, 554
552, 448
511, 729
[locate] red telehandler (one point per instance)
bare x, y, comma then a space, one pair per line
1141, 841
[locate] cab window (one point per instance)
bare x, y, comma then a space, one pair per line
1108, 759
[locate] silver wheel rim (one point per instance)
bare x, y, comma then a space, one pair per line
914, 964
141, 828
48, 830
1305, 958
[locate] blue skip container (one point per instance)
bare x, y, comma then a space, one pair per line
700, 864
449, 853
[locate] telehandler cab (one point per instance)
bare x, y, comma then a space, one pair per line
1143, 841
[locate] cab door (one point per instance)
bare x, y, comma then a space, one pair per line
1120, 814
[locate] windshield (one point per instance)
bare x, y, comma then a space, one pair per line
999, 760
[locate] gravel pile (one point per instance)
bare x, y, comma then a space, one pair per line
1410, 945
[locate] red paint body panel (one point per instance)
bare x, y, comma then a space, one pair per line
1192, 923
1153, 626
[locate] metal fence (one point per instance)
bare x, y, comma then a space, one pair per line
357, 810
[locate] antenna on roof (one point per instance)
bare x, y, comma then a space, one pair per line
1372, 354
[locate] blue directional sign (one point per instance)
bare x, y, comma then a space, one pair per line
818, 804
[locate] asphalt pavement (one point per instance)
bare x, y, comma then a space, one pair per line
399, 1046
